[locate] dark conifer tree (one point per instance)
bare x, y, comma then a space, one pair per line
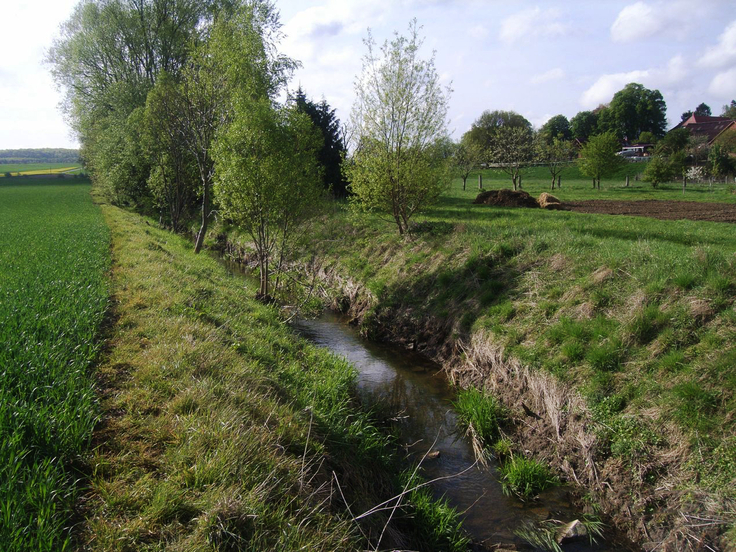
333, 149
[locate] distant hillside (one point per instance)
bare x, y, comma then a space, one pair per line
42, 155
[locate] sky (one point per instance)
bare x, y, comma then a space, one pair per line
538, 58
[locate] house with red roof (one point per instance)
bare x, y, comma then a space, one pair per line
710, 127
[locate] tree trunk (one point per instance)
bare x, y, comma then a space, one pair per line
263, 288
205, 217
465, 178
559, 182
520, 182
553, 182
480, 181
627, 181
594, 183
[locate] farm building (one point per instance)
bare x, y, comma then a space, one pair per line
710, 127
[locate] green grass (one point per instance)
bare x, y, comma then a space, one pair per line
576, 187
54, 256
480, 411
222, 430
525, 477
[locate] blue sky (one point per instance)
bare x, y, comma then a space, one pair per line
537, 58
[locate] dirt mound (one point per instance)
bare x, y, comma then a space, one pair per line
659, 209
506, 198
548, 201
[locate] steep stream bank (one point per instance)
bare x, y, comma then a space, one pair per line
646, 498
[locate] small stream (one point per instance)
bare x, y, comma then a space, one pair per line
419, 397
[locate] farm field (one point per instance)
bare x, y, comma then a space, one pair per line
576, 187
54, 259
636, 314
36, 169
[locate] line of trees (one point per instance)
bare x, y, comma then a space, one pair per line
175, 105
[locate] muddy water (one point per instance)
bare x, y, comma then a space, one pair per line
418, 397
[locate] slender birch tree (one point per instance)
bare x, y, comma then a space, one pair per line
399, 121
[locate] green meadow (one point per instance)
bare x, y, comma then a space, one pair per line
576, 187
54, 259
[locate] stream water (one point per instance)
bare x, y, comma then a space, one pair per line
420, 399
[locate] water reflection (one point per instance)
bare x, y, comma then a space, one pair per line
418, 396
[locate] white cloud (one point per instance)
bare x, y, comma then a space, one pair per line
674, 18
635, 22
551, 75
607, 85
478, 32
724, 53
601, 92
533, 22
723, 85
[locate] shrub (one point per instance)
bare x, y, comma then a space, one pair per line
526, 477
481, 411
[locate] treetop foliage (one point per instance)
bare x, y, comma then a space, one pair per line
399, 125
485, 127
633, 110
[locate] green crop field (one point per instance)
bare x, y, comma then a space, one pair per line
20, 169
54, 259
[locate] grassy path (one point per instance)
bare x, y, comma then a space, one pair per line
223, 431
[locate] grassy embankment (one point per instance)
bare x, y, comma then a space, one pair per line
224, 431
634, 314
54, 258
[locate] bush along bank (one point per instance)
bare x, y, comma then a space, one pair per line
221, 430
609, 341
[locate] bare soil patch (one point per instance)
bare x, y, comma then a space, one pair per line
659, 209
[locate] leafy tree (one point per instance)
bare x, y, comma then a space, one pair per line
333, 148
729, 110
400, 119
646, 137
173, 178
238, 59
698, 149
106, 60
658, 171
599, 157
556, 154
633, 110
675, 140
584, 125
702, 110
465, 159
557, 127
513, 149
268, 178
719, 162
484, 129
